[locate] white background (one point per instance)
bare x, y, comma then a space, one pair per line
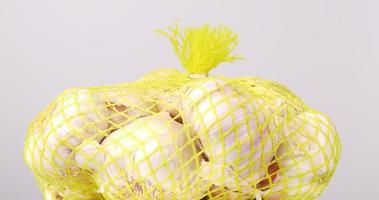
326, 51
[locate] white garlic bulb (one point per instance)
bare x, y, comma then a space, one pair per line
235, 131
78, 115
152, 157
306, 158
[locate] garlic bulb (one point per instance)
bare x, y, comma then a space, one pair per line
235, 131
77, 115
152, 157
306, 158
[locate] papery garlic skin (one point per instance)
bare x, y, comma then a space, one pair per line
229, 124
306, 158
152, 157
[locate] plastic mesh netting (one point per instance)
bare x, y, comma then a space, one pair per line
174, 136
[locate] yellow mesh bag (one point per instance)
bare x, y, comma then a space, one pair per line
171, 135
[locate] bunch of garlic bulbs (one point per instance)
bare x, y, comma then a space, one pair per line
172, 135
77, 115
